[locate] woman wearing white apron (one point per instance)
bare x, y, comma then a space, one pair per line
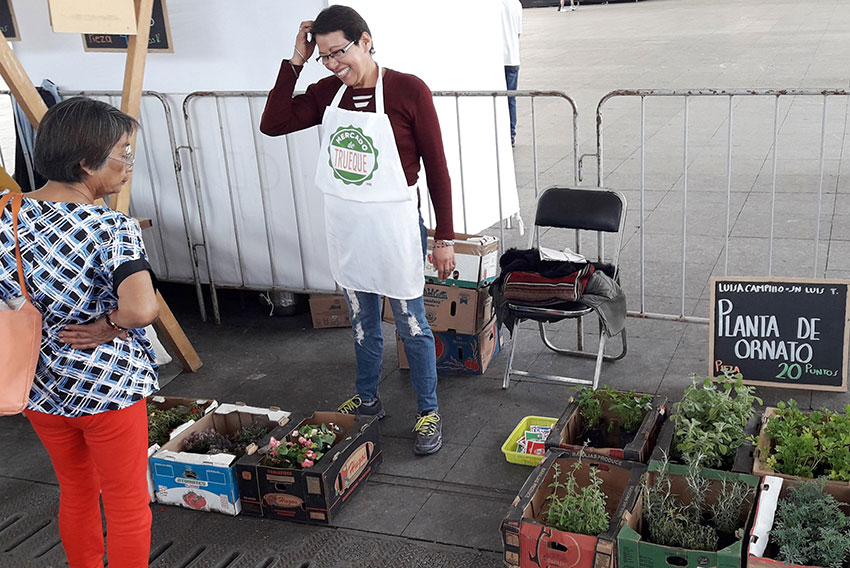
377, 125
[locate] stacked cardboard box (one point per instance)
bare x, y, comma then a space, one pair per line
460, 309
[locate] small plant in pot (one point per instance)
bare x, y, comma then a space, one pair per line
629, 408
625, 410
590, 409
574, 509
711, 418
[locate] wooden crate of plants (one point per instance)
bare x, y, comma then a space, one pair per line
569, 510
620, 424
689, 517
716, 419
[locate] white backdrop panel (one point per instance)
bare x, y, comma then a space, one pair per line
265, 227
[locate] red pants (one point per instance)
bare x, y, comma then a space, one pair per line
101, 454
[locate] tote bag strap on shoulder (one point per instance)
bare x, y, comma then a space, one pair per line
16, 209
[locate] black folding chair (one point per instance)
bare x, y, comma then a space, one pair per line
594, 210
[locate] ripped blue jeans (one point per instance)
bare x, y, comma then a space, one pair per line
365, 314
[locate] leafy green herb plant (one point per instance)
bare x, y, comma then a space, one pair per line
630, 408
579, 510
711, 418
809, 444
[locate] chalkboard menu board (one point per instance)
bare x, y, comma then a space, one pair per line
790, 333
8, 25
159, 40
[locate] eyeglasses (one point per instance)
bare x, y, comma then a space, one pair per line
129, 157
323, 59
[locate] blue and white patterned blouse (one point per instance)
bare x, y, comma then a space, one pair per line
75, 256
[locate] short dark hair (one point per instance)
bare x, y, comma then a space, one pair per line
75, 132
340, 18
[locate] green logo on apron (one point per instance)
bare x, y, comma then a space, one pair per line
353, 156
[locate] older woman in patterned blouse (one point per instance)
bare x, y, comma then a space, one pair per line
89, 276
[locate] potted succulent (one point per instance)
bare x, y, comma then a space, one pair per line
711, 420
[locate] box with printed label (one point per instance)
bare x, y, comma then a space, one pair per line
530, 543
460, 352
476, 261
450, 308
634, 551
317, 493
201, 481
157, 402
329, 310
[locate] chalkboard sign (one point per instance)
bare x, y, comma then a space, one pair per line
790, 333
8, 24
159, 40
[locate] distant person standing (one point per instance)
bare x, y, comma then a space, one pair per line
572, 6
511, 29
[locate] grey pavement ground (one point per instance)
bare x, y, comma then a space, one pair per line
445, 510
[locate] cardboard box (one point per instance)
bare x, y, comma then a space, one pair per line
315, 494
450, 308
461, 353
329, 310
165, 403
207, 482
476, 261
566, 432
743, 462
634, 552
760, 551
529, 543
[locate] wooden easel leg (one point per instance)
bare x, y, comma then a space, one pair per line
172, 334
20, 85
131, 102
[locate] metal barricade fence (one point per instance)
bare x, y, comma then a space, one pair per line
224, 114
780, 118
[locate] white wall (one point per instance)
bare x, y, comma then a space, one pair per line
220, 45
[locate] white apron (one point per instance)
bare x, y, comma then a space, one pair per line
371, 216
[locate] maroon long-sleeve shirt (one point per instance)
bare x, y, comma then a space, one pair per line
407, 102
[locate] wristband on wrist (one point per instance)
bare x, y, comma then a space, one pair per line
112, 324
444, 243
303, 59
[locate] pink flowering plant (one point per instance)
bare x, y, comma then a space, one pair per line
304, 448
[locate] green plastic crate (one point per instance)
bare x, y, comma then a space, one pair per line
509, 447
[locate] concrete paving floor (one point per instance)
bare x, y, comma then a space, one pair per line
445, 510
